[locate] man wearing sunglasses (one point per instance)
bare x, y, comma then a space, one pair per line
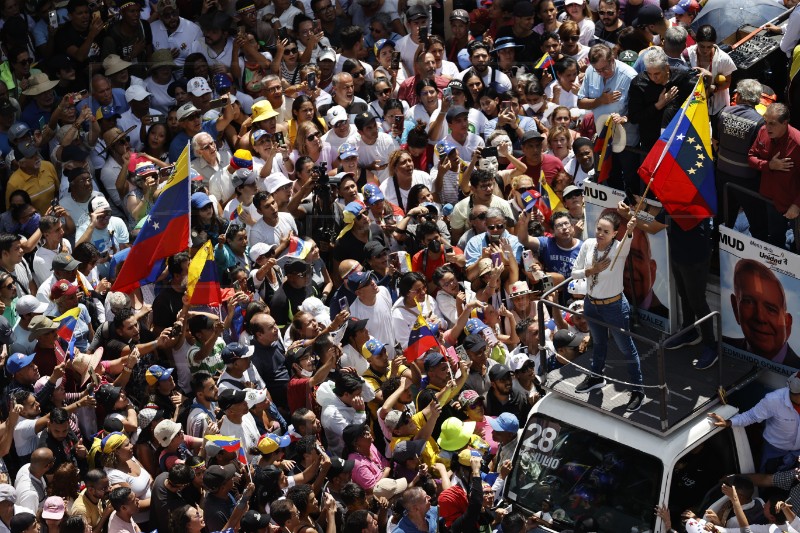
558, 253
294, 290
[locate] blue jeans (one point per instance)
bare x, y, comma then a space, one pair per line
617, 314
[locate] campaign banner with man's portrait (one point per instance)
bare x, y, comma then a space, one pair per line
758, 284
646, 276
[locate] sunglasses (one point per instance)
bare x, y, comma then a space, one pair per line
492, 227
523, 190
360, 216
607, 13
358, 74
482, 216
126, 140
312, 136
290, 51
386, 91
573, 38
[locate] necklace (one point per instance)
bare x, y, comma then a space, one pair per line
596, 259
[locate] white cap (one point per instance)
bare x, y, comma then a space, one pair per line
99, 204
8, 493
259, 249
275, 181
335, 114
30, 304
136, 92
515, 361
267, 56
569, 2
198, 86
255, 397
328, 54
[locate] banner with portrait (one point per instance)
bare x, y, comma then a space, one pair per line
758, 283
646, 277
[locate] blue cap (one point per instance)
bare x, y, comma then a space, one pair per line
233, 351
258, 134
447, 209
443, 148
474, 325
221, 81
347, 150
505, 422
354, 208
372, 347
432, 359
372, 194
358, 280
107, 111
18, 361
200, 200
157, 373
383, 43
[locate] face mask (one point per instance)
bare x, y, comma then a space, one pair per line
489, 164
537, 107
435, 246
306, 373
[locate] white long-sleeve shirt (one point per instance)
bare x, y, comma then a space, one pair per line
335, 417
782, 428
609, 282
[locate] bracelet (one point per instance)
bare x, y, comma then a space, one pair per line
124, 368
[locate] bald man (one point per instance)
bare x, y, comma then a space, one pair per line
346, 267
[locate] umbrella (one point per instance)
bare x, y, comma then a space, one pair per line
726, 16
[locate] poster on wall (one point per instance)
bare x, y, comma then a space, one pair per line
758, 288
646, 277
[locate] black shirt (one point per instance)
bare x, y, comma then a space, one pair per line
609, 36
530, 50
349, 247
643, 96
166, 307
163, 502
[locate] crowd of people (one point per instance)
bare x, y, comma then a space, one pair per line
388, 188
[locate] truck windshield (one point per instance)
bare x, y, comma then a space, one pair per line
584, 477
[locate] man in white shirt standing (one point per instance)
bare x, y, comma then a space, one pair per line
238, 422
31, 484
174, 32
374, 146
479, 57
372, 302
275, 226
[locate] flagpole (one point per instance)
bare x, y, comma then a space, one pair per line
189, 188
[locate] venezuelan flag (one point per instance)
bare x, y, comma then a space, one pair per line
679, 167
549, 202
420, 340
601, 150
166, 231
298, 247
229, 444
546, 62
203, 285
67, 323
237, 212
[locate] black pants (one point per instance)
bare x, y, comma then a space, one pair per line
753, 207
690, 280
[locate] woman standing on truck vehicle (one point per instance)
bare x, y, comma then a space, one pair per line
606, 302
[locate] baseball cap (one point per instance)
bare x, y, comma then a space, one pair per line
61, 288
165, 431
519, 361
107, 395
234, 351
66, 262
243, 176
18, 361
629, 57
371, 249
347, 150
136, 93
498, 372
383, 43
456, 111
8, 493
474, 326
253, 521
416, 12
335, 115
469, 397
26, 150
215, 476
295, 265
231, 397
443, 148
570, 189
531, 134
99, 204
507, 422
271, 443
686, 6
460, 14
389, 488
372, 194
198, 86
358, 280
458, 85
464, 456
221, 82
18, 131
408, 449
200, 200
30, 304
254, 397
339, 466
53, 508
363, 119
259, 249
648, 14
157, 373
564, 338
474, 343
354, 325
187, 110
372, 347
432, 359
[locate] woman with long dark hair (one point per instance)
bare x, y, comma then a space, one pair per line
606, 302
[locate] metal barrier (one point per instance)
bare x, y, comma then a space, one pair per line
657, 346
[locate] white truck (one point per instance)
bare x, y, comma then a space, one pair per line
588, 457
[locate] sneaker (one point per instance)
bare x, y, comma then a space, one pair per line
706, 359
635, 402
690, 338
590, 383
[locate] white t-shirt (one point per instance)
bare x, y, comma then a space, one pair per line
448, 69
184, 36
380, 151
127, 120
263, 232
379, 315
25, 439
160, 98
390, 192
247, 432
407, 49
502, 83
43, 261
567, 98
335, 141
403, 319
